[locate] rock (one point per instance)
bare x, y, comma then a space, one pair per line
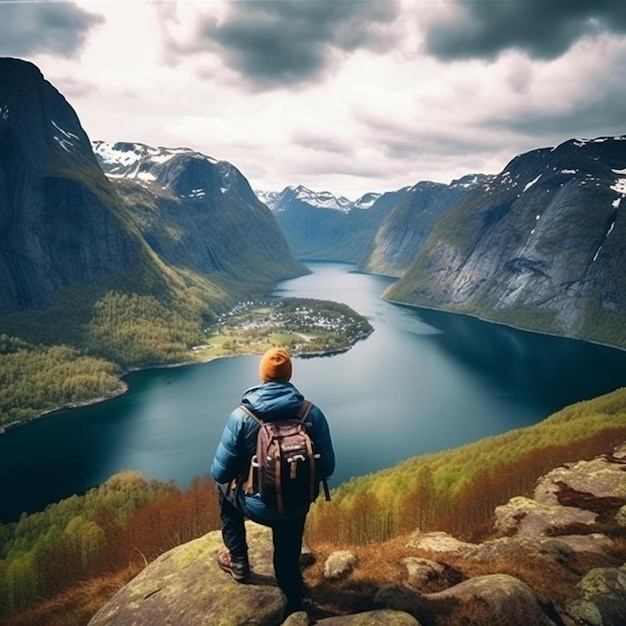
372, 618
422, 571
620, 516
594, 543
492, 599
399, 597
339, 563
185, 586
438, 542
599, 478
603, 598
525, 517
297, 619
522, 547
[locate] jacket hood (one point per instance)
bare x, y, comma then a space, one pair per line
273, 401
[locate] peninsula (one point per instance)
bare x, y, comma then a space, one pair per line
306, 327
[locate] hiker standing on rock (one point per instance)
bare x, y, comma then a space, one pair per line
275, 490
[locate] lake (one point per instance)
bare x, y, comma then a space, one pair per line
423, 381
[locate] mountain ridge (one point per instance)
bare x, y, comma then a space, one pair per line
99, 275
542, 248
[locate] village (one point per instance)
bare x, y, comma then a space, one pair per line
307, 327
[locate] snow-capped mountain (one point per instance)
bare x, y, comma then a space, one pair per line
541, 245
279, 201
201, 210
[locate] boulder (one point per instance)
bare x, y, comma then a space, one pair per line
600, 478
492, 599
562, 549
529, 518
339, 564
186, 587
602, 600
422, 571
439, 542
372, 618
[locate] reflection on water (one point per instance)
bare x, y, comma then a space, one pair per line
549, 371
422, 382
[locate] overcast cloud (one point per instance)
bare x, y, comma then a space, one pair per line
348, 96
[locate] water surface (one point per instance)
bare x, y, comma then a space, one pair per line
422, 382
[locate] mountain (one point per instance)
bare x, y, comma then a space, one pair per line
282, 201
99, 275
542, 246
61, 222
402, 232
64, 223
325, 226
199, 213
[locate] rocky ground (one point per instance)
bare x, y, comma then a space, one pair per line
568, 542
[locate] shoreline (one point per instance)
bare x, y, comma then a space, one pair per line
4, 429
26, 421
505, 324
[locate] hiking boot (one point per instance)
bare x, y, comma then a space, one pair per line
237, 567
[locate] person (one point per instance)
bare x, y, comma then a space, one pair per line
274, 399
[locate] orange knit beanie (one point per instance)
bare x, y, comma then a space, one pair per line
275, 365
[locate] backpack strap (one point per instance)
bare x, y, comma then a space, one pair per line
249, 412
303, 413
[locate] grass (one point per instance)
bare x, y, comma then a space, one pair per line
78, 604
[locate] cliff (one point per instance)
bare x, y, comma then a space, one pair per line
554, 559
64, 223
60, 220
541, 248
403, 232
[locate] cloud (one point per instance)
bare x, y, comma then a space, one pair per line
278, 43
39, 27
542, 29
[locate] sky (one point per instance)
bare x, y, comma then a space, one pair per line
347, 96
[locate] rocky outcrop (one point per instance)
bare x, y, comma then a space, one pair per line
185, 586
570, 530
542, 247
60, 220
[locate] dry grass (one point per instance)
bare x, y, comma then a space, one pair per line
76, 605
380, 565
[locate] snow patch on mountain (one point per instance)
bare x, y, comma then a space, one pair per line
135, 160
275, 200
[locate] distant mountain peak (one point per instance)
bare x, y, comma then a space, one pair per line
276, 200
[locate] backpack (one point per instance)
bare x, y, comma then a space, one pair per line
283, 470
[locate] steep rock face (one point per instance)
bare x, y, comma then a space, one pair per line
542, 247
323, 226
404, 231
60, 220
199, 213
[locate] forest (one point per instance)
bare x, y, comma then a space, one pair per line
128, 331
58, 566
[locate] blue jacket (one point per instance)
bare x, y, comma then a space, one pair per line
270, 401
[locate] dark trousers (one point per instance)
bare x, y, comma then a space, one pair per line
286, 536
